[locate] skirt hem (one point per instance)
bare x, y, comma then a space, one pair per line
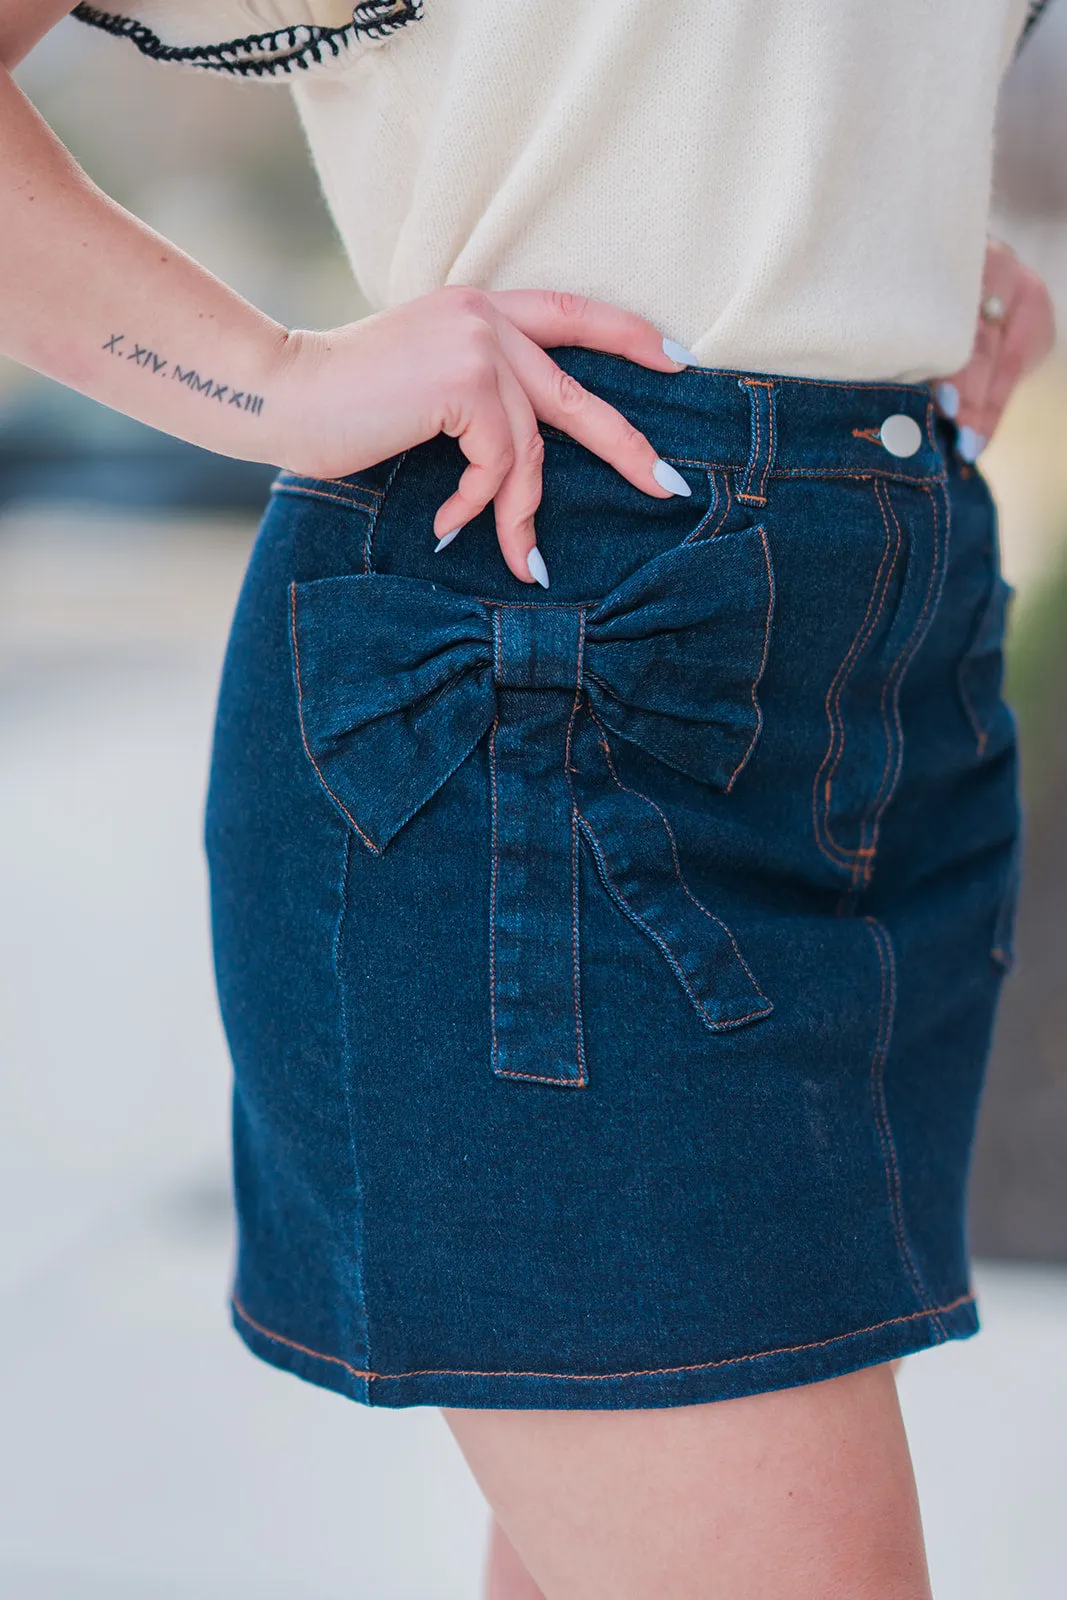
693, 1384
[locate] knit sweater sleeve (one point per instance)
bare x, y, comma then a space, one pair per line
258, 40
1035, 11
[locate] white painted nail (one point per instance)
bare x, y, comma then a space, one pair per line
970, 444
535, 563
948, 398
446, 538
667, 478
677, 352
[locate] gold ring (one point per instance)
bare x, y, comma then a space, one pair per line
993, 309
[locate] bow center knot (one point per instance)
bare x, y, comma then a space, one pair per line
538, 646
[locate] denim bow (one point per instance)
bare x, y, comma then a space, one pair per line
398, 679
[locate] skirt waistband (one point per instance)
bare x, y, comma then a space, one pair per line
764, 425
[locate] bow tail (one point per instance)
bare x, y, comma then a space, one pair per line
535, 998
636, 856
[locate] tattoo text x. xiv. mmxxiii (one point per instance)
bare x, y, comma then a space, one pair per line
224, 393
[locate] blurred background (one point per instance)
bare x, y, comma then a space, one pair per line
142, 1452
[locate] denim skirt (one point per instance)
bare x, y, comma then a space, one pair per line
609, 969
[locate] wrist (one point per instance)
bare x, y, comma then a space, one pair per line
297, 359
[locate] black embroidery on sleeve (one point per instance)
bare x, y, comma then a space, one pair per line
263, 54
1036, 10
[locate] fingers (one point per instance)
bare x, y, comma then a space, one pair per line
973, 383
507, 383
479, 424
1004, 350
511, 478
498, 433
520, 493
560, 400
551, 318
1026, 338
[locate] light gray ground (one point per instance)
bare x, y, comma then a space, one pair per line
143, 1454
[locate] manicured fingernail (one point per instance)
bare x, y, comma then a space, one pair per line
970, 444
948, 398
446, 538
668, 478
677, 352
535, 563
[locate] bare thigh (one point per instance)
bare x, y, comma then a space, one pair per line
804, 1494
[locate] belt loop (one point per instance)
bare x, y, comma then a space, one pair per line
764, 439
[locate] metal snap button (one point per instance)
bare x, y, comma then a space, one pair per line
900, 434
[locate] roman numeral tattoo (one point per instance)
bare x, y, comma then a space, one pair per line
149, 361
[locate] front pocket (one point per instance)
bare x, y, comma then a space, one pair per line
398, 679
861, 766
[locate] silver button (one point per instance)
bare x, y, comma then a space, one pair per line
900, 434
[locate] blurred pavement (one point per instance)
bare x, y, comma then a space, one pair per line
143, 1454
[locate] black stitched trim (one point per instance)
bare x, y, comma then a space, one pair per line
263, 54
1037, 8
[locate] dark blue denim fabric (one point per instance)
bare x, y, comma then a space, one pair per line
609, 970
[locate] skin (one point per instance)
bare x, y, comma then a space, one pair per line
803, 1494
1003, 352
101, 302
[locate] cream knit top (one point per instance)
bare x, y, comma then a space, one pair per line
790, 186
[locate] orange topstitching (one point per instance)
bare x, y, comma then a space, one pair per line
593, 1377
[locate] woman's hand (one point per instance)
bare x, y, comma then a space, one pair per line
472, 365
1007, 345
131, 320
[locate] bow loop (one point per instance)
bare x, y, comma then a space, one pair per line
538, 646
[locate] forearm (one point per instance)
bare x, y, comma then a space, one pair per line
94, 298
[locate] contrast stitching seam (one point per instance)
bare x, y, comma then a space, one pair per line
601, 1377
579, 1040
868, 471
342, 917
772, 440
286, 475
763, 663
698, 531
726, 508
838, 854
575, 712
873, 385
897, 674
709, 514
595, 844
869, 827
581, 1080
494, 868
886, 1013
372, 526
755, 454
533, 605
319, 494
536, 1077
862, 474
303, 731
744, 493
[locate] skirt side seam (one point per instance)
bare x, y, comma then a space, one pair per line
894, 1188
